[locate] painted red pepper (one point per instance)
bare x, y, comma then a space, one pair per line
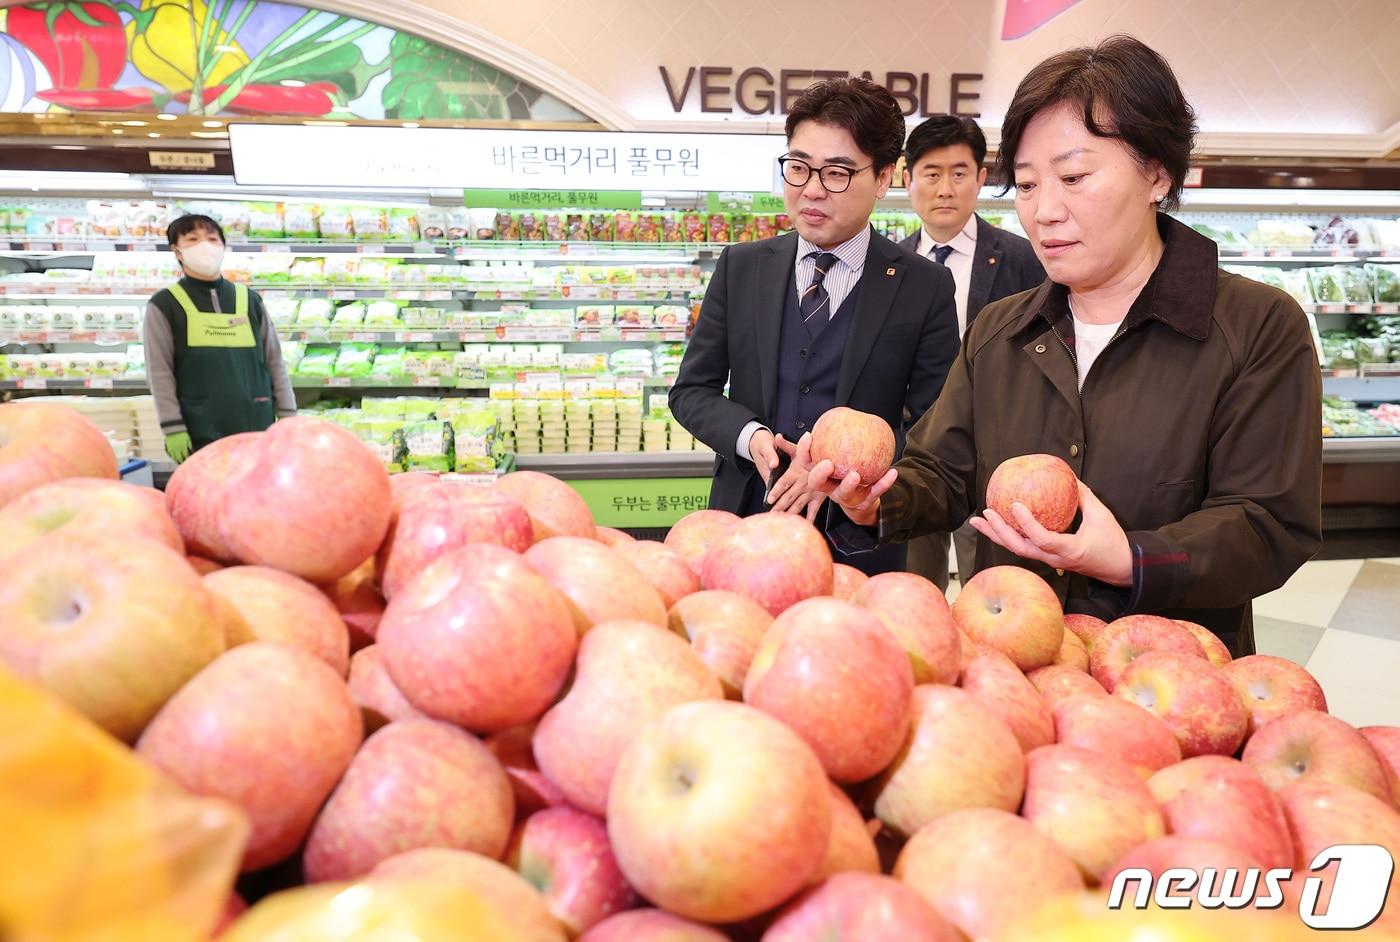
83, 45
78, 99
311, 101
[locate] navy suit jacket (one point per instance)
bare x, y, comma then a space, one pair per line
1004, 264
902, 341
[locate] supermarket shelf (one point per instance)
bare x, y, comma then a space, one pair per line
601, 465
620, 252
1373, 387
67, 384
1309, 256
508, 334
300, 382
51, 247
1337, 450
601, 294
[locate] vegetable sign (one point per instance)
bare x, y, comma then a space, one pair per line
244, 57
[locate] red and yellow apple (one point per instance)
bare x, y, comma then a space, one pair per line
980, 867
663, 568
42, 442
995, 683
112, 626
194, 495
1014, 611
479, 639
275, 606
861, 906
312, 500
266, 726
845, 580
837, 676
1115, 727
1272, 687
564, 853
958, 755
1044, 484
380, 701
775, 559
1092, 804
692, 535
1228, 803
90, 505
1132, 636
628, 674
726, 630
1314, 746
1194, 697
718, 812
435, 520
853, 441
555, 508
415, 783
598, 583
1059, 682
917, 613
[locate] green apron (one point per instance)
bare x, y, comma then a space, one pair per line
221, 376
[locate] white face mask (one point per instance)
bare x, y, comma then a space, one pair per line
203, 260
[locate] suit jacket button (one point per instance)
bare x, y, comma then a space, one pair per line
801, 424
806, 389
802, 353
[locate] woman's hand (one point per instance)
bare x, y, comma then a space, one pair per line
860, 502
1099, 549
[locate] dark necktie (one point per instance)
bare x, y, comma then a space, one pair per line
815, 303
941, 253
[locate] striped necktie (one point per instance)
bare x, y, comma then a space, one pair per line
940, 253
815, 303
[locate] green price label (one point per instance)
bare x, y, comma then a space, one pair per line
745, 202
553, 199
643, 502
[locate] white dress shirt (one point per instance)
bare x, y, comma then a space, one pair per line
959, 263
839, 282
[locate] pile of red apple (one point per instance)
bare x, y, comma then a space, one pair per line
724, 736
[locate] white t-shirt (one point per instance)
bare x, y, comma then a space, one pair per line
1089, 341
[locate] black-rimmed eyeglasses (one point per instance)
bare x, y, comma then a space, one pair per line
834, 178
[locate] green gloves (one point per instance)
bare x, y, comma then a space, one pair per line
178, 446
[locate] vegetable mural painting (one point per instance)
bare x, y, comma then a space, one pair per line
244, 57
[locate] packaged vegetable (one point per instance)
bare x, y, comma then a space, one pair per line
403, 224
349, 316
315, 312
337, 223
430, 445
432, 223
355, 360
299, 221
265, 221
371, 223
319, 360
1387, 279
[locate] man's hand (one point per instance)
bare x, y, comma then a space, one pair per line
178, 446
1099, 549
860, 502
763, 453
790, 492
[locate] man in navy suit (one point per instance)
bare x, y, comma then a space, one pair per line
944, 174
830, 315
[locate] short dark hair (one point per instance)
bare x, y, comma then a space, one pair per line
868, 112
192, 222
944, 130
1124, 90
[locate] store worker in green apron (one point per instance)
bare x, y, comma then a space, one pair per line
213, 360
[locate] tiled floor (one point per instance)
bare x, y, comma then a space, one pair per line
1341, 620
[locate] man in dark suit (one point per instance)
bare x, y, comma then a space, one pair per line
830, 315
944, 175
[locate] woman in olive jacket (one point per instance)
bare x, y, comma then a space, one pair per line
1187, 400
